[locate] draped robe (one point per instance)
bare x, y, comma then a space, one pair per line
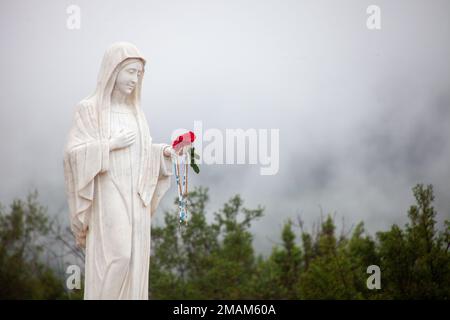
113, 194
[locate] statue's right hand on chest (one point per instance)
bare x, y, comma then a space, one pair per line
123, 139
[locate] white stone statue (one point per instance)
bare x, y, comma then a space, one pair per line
115, 177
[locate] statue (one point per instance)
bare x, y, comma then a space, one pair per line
115, 177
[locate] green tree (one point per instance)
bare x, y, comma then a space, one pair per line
278, 276
415, 261
24, 271
204, 260
330, 273
216, 260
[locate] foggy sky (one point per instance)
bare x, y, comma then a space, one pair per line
363, 115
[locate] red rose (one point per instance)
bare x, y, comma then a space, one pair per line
183, 140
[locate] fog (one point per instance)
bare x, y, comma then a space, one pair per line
363, 114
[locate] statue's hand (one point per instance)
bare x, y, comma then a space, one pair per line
169, 151
122, 140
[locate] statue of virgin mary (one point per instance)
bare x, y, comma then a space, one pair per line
115, 178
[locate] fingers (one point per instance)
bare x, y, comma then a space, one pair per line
125, 138
129, 134
130, 139
122, 133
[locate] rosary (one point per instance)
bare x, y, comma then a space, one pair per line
183, 156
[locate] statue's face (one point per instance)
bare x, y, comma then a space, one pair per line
128, 77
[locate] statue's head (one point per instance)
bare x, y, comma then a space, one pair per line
122, 70
130, 74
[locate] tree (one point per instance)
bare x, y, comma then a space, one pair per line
330, 272
204, 260
216, 260
415, 261
278, 276
25, 274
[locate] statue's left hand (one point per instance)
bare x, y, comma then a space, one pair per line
169, 151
